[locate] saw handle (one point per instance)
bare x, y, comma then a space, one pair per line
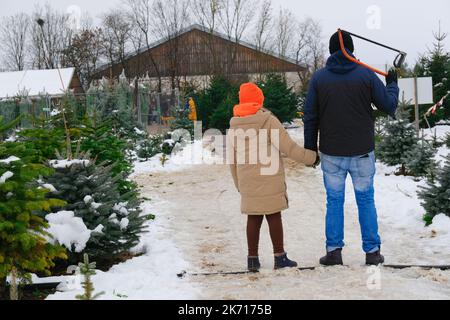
400, 60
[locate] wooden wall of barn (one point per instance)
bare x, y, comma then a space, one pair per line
196, 53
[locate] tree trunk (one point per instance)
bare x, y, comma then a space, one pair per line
403, 171
14, 288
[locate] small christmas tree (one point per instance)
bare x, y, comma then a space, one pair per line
106, 147
419, 160
182, 121
87, 269
399, 138
220, 119
23, 238
209, 101
436, 195
92, 193
279, 98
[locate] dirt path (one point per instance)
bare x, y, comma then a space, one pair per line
206, 225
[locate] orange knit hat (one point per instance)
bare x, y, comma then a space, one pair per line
251, 93
251, 100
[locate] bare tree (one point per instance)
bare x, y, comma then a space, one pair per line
51, 35
284, 32
140, 15
263, 25
206, 13
116, 36
170, 18
14, 37
235, 17
85, 52
309, 49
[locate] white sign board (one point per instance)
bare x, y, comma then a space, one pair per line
424, 90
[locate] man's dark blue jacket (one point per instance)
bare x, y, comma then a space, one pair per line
339, 106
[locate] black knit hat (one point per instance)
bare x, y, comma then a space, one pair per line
335, 44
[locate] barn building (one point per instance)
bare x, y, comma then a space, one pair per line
195, 54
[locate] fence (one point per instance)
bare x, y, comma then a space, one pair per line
149, 110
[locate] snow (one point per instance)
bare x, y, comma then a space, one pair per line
55, 112
139, 131
151, 276
89, 200
7, 175
68, 230
35, 82
441, 132
124, 223
400, 207
9, 160
99, 229
13, 138
121, 207
211, 238
59, 164
49, 187
193, 154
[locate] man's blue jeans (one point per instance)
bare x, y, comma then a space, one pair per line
362, 170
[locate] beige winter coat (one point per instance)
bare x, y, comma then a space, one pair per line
262, 194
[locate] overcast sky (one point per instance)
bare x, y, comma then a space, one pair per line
406, 25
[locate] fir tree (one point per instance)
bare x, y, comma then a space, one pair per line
87, 269
419, 160
220, 119
93, 194
399, 138
209, 101
108, 148
436, 195
279, 98
5, 127
23, 238
182, 121
436, 64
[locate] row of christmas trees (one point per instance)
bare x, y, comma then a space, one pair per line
400, 146
72, 164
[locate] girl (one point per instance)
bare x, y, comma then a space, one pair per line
263, 194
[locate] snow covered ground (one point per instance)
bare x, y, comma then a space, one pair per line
148, 277
198, 228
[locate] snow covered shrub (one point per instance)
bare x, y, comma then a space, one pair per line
399, 138
108, 148
436, 195
24, 247
447, 140
155, 145
182, 121
419, 160
92, 194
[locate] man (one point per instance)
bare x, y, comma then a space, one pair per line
339, 106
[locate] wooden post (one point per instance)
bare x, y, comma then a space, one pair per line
416, 106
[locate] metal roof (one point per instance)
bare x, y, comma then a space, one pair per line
31, 83
203, 29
